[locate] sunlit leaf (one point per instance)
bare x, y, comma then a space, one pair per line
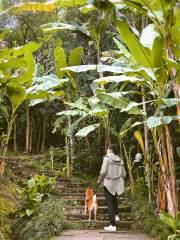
157, 121
148, 36
86, 130
60, 59
139, 52
138, 136
82, 68
75, 56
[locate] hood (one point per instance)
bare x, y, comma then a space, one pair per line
114, 158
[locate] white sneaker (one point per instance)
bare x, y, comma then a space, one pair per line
117, 218
110, 228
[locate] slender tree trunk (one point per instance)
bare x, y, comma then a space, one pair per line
30, 137
147, 157
27, 128
106, 129
39, 139
43, 137
71, 145
68, 160
5, 147
15, 137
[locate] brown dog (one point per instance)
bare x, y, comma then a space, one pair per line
90, 203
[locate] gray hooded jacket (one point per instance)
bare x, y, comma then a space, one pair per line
112, 174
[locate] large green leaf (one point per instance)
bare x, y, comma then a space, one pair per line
16, 93
46, 83
127, 127
44, 96
75, 56
56, 26
79, 69
132, 108
88, 8
171, 101
155, 4
99, 110
114, 69
158, 52
72, 113
79, 104
168, 219
69, 3
60, 59
136, 5
113, 99
47, 7
118, 79
139, 52
148, 36
86, 130
34, 6
157, 121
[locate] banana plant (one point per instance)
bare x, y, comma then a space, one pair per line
156, 49
80, 111
17, 69
71, 91
85, 108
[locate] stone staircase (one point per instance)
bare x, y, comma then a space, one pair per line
74, 195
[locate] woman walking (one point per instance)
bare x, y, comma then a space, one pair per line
111, 177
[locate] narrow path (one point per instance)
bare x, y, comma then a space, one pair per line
100, 235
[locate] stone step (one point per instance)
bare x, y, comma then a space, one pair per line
80, 200
78, 196
66, 189
63, 184
73, 210
85, 224
100, 217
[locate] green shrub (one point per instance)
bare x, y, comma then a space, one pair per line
172, 225
146, 219
8, 204
2, 237
35, 190
48, 221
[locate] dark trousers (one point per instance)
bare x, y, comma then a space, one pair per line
112, 204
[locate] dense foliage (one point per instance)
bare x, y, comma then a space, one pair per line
77, 75
47, 222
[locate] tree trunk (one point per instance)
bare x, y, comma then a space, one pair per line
43, 136
71, 145
15, 137
30, 137
167, 176
5, 147
27, 128
39, 139
68, 160
146, 154
176, 89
